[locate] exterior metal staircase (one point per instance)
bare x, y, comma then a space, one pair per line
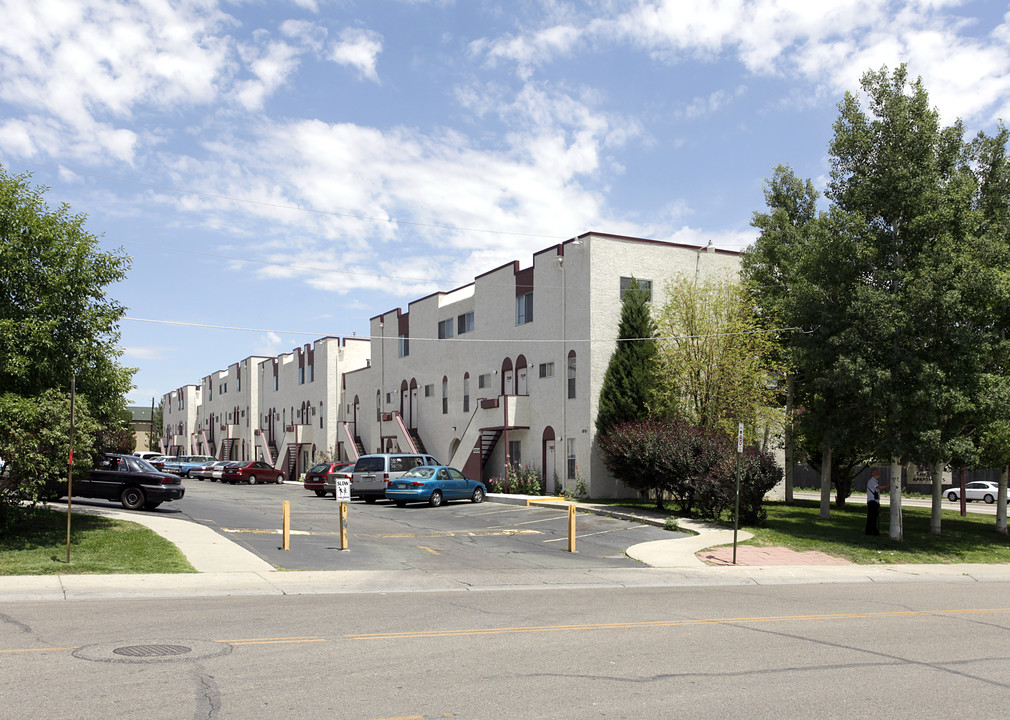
417, 441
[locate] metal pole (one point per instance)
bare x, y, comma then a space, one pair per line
571, 528
343, 526
70, 464
286, 522
736, 511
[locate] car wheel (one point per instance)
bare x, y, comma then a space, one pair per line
252, 479
436, 499
280, 478
952, 496
478, 495
401, 503
989, 499
132, 498
152, 504
320, 493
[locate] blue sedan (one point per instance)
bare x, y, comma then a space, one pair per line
434, 484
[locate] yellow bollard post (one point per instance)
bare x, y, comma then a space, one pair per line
571, 528
343, 526
286, 543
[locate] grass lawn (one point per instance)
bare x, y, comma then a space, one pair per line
98, 546
972, 539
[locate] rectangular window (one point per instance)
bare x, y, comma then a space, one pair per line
571, 377
429, 390
464, 323
546, 370
276, 382
644, 284
404, 345
445, 329
301, 376
524, 309
484, 380
571, 458
515, 452
238, 384
312, 373
389, 398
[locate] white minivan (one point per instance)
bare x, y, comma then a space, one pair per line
372, 473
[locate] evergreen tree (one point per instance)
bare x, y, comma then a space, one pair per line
630, 381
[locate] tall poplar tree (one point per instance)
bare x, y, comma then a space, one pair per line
630, 381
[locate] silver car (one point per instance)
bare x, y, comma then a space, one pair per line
372, 473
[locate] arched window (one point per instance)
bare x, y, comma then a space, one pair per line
571, 375
445, 395
466, 392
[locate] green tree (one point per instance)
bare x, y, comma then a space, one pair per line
717, 366
630, 381
901, 287
56, 322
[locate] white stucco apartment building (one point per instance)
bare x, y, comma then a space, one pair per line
509, 368
505, 369
283, 410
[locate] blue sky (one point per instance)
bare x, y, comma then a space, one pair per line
297, 167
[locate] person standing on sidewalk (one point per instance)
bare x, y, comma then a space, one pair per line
873, 488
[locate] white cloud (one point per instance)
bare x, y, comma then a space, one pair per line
89, 64
270, 63
828, 44
269, 344
149, 352
417, 201
359, 49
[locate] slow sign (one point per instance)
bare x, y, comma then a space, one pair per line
343, 490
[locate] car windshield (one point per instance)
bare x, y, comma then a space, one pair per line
322, 467
420, 472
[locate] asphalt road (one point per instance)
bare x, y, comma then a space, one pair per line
382, 536
907, 650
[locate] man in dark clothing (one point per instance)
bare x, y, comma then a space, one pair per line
873, 488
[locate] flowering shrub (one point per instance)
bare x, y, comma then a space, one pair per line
518, 480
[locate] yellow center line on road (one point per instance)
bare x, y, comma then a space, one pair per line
472, 632
431, 550
269, 641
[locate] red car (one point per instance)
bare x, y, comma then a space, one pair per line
320, 477
252, 472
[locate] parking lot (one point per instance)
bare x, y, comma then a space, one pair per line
382, 536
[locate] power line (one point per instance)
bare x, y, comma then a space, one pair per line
457, 339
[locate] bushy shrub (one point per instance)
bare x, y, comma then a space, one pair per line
695, 466
518, 480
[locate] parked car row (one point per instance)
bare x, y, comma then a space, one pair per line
400, 477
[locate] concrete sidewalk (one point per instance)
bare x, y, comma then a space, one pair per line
225, 568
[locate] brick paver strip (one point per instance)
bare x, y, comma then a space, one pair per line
751, 555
